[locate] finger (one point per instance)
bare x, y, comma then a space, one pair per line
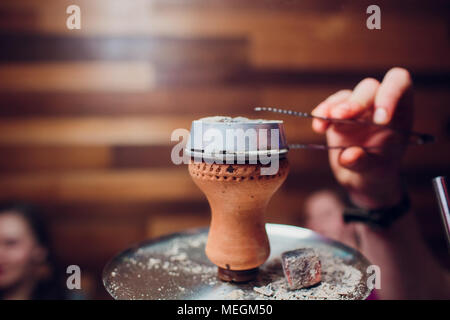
396, 83
339, 96
320, 126
322, 110
354, 158
362, 98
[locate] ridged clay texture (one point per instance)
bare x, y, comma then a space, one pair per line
238, 196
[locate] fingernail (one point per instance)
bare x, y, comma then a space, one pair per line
380, 116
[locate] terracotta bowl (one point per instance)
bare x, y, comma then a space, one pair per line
238, 196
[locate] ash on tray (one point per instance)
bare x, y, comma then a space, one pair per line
178, 268
176, 262
169, 262
339, 281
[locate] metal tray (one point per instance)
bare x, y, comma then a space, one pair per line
176, 267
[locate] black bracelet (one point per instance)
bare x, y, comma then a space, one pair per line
378, 218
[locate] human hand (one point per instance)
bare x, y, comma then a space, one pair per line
371, 175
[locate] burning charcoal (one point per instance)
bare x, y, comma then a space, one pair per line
301, 268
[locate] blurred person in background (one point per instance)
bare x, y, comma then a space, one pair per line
372, 181
27, 269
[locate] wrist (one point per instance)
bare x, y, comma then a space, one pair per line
378, 217
387, 193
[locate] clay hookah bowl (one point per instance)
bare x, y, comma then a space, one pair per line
238, 194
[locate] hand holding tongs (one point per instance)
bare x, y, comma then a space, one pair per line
420, 138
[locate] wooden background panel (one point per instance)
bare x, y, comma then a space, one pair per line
100, 186
405, 6
50, 158
157, 50
159, 225
337, 42
86, 115
203, 100
274, 35
77, 76
90, 130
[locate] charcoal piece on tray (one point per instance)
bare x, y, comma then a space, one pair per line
301, 268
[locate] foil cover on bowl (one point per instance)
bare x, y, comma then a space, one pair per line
234, 139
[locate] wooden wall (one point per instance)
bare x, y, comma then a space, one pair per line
86, 115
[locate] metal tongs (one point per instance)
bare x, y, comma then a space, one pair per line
443, 198
416, 138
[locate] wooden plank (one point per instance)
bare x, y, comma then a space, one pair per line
17, 19
409, 6
90, 131
77, 76
133, 210
158, 225
342, 42
273, 5
201, 100
142, 157
158, 51
122, 186
49, 158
